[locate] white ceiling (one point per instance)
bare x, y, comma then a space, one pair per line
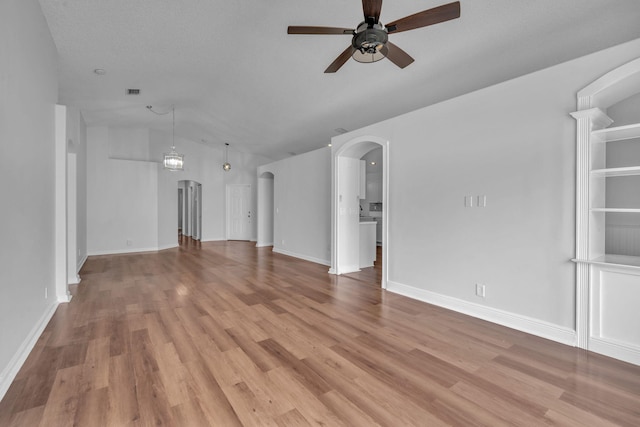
234, 75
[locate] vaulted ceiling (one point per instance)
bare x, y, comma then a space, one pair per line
235, 75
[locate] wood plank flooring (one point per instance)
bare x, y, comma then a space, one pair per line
226, 334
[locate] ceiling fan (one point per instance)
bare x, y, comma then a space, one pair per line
370, 42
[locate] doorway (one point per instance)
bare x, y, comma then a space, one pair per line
190, 209
239, 219
346, 197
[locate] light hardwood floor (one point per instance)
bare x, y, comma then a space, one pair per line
226, 334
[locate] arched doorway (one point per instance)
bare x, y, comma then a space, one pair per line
190, 209
345, 222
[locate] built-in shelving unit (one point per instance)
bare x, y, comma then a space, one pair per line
619, 260
595, 185
619, 210
617, 133
607, 216
610, 172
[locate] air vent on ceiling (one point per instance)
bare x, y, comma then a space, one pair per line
133, 91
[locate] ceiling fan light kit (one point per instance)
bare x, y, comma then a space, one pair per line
370, 42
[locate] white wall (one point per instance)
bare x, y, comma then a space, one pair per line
265, 209
81, 193
122, 199
137, 199
243, 171
302, 218
198, 166
29, 92
76, 193
203, 163
515, 143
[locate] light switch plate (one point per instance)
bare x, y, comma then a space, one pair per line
468, 201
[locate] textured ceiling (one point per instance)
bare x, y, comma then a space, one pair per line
234, 75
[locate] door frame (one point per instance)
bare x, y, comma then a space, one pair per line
355, 149
228, 211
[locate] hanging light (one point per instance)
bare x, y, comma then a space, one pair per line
172, 160
226, 166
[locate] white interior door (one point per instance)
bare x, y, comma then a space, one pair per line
239, 212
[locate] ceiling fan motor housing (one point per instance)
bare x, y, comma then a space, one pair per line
369, 39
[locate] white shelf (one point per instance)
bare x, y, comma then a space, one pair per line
618, 133
623, 210
626, 171
617, 260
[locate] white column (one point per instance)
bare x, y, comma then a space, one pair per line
587, 120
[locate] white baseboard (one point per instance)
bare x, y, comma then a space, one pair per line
170, 246
511, 320
263, 244
304, 257
621, 351
81, 263
121, 251
348, 269
73, 280
218, 239
11, 370
65, 298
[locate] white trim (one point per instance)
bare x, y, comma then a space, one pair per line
169, 246
228, 188
65, 299
263, 244
122, 251
511, 320
304, 257
60, 213
615, 349
75, 280
336, 153
11, 370
217, 239
81, 263
612, 87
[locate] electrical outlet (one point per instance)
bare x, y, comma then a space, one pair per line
480, 288
482, 201
129, 242
46, 293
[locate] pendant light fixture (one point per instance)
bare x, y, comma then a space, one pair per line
226, 166
172, 161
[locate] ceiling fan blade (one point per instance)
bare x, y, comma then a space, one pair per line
340, 60
427, 17
318, 30
397, 55
371, 9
